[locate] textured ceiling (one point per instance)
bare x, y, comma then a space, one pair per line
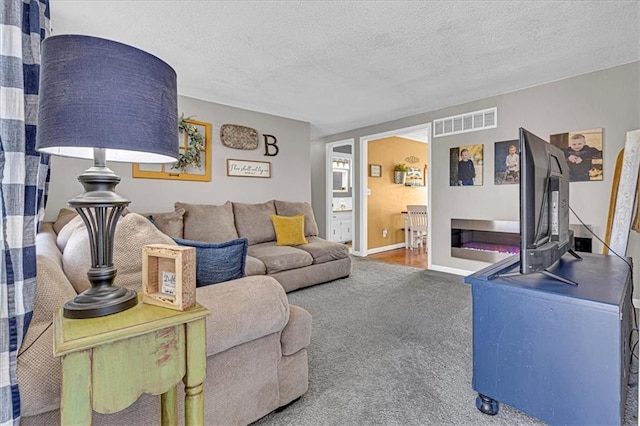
349, 64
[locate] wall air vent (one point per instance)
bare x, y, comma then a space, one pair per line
469, 122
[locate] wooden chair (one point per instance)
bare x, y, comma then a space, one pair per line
417, 226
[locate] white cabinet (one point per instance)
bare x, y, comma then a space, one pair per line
341, 227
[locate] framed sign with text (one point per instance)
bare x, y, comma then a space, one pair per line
246, 168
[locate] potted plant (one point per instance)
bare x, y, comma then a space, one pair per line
399, 173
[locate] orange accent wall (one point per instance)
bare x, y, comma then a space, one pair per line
388, 199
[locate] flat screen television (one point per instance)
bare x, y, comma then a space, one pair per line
544, 207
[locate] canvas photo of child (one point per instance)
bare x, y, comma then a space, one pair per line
507, 163
583, 152
465, 165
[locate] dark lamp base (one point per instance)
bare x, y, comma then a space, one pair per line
100, 301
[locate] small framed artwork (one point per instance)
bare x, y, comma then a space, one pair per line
375, 170
244, 168
414, 177
169, 276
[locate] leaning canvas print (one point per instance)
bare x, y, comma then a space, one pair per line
507, 162
465, 165
583, 151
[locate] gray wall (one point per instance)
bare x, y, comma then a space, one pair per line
609, 99
290, 177
319, 185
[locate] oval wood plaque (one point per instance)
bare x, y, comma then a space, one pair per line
238, 137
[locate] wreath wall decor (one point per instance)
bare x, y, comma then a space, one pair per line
194, 160
195, 145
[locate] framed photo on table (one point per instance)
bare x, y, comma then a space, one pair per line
375, 170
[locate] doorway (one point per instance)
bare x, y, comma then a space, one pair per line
419, 133
340, 191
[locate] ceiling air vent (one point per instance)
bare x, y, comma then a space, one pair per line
469, 122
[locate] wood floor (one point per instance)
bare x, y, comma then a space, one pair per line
416, 257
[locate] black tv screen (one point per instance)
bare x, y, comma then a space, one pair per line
544, 204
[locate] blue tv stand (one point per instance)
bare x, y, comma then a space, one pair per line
554, 351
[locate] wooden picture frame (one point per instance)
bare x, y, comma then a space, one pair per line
247, 168
169, 276
375, 170
165, 171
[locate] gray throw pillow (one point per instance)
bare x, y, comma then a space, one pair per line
205, 222
253, 221
64, 216
171, 223
67, 231
132, 233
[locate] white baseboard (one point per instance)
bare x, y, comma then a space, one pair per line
385, 248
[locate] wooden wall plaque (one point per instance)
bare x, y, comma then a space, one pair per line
238, 137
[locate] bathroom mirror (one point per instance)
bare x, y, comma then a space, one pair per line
340, 180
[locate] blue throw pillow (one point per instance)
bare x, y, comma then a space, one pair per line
218, 262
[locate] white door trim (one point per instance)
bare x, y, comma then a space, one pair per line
329, 181
363, 190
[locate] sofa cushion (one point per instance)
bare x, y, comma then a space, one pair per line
46, 243
67, 230
205, 222
297, 333
289, 230
132, 233
64, 216
324, 251
254, 266
171, 223
218, 262
292, 208
280, 258
243, 310
253, 221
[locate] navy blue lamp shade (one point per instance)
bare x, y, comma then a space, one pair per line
98, 93
111, 102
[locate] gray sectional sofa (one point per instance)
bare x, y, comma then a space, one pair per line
293, 267
256, 341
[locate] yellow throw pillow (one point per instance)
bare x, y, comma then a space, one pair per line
289, 230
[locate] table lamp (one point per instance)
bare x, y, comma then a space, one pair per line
106, 101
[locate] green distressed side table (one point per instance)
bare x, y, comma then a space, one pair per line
108, 362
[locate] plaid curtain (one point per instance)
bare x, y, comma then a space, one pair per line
23, 177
